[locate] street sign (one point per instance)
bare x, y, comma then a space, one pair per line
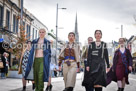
1, 39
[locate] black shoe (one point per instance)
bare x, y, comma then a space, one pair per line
119, 89
24, 88
50, 88
66, 89
70, 89
47, 88
33, 87
122, 89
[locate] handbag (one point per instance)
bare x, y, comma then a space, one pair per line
1, 65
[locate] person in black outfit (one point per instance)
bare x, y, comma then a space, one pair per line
3, 70
97, 55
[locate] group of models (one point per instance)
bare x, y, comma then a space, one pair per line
36, 58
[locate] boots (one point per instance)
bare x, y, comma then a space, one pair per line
33, 86
122, 89
68, 89
98, 89
49, 88
119, 89
24, 88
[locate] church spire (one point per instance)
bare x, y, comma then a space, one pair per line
76, 31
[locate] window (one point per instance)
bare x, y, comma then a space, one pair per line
23, 25
33, 34
8, 20
28, 31
36, 34
1, 16
14, 23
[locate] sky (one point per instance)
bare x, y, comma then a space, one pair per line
106, 15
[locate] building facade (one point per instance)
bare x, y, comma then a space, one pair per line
10, 11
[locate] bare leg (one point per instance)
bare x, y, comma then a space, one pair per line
119, 84
98, 87
123, 83
49, 82
33, 85
24, 82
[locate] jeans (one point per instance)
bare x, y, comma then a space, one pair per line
2, 75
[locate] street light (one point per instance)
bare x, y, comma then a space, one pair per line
57, 28
121, 31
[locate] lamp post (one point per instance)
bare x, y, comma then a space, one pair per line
57, 28
21, 21
121, 30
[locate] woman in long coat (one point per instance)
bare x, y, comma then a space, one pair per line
122, 66
39, 60
97, 55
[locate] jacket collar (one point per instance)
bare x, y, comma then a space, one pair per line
45, 40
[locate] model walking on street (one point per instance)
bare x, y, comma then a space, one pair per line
122, 66
84, 58
70, 54
97, 55
39, 60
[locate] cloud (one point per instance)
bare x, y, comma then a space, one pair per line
92, 14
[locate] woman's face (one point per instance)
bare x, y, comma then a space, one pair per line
121, 41
42, 33
98, 35
71, 37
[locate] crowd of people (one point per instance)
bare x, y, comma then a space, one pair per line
38, 63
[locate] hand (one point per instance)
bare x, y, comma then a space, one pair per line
130, 68
87, 68
59, 68
78, 69
107, 70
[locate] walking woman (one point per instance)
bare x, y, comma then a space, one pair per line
39, 60
52, 65
3, 70
97, 55
122, 65
23, 64
70, 54
84, 57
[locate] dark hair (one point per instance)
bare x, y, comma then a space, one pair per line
28, 41
99, 31
71, 33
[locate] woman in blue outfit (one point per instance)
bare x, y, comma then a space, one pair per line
39, 60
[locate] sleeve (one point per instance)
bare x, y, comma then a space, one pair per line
49, 46
130, 58
60, 59
89, 55
78, 63
106, 55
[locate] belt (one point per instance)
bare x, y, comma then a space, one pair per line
70, 57
69, 60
